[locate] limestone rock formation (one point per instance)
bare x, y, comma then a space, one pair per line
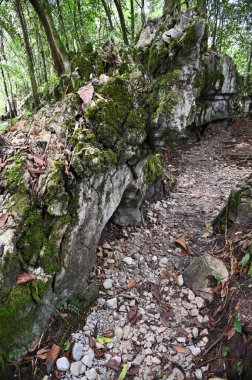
70, 168
239, 207
192, 86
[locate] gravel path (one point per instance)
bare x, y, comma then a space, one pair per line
154, 326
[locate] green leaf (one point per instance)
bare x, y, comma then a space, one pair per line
238, 325
124, 372
103, 339
217, 276
250, 270
245, 260
67, 345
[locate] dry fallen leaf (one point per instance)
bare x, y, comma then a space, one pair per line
155, 290
180, 349
3, 218
181, 241
52, 357
230, 332
131, 284
132, 315
164, 273
86, 93
26, 277
34, 170
42, 354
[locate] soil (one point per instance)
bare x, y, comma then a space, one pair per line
205, 172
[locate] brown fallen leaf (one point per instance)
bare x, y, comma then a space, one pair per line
34, 170
164, 321
180, 349
26, 277
164, 273
2, 165
42, 354
108, 334
131, 284
51, 358
113, 364
155, 290
132, 315
230, 332
3, 218
181, 241
37, 159
66, 167
86, 93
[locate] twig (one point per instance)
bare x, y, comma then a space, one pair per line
213, 345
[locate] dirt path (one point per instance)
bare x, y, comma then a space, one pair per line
159, 326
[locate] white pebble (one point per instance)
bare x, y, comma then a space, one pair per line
63, 364
112, 303
128, 260
108, 284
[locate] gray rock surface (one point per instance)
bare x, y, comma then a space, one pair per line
196, 276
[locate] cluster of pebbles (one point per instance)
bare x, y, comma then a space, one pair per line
158, 327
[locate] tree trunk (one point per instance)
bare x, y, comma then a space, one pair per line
217, 9
248, 68
61, 23
28, 51
169, 7
58, 52
132, 19
143, 18
122, 21
107, 11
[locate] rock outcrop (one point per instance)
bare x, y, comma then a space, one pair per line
238, 209
191, 86
69, 169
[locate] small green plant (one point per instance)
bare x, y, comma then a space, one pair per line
250, 270
237, 323
217, 276
239, 367
64, 305
245, 260
67, 345
225, 351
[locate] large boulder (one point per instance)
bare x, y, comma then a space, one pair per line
191, 86
238, 209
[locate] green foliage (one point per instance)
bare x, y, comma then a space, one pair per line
237, 323
66, 306
245, 260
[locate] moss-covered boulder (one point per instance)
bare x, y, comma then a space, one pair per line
67, 170
190, 86
238, 209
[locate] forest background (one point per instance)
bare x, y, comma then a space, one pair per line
40, 38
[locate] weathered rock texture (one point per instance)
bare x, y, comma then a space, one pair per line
239, 207
192, 86
69, 169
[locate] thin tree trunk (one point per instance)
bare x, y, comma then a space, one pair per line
248, 67
217, 9
61, 23
58, 52
143, 18
107, 11
41, 52
28, 51
169, 7
6, 93
132, 19
122, 21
